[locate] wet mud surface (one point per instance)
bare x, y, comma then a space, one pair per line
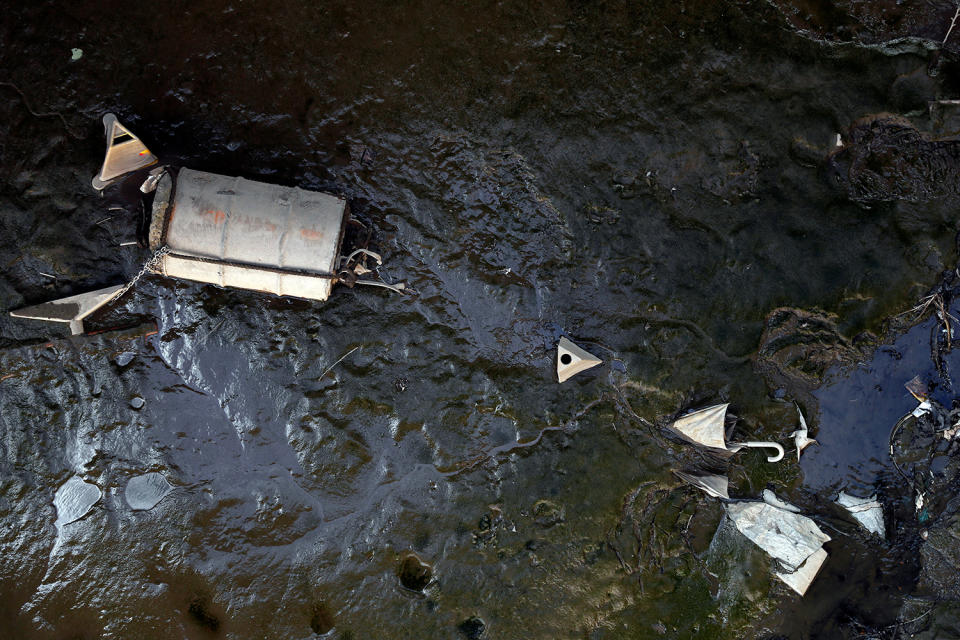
662, 185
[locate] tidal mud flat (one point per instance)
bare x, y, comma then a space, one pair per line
663, 185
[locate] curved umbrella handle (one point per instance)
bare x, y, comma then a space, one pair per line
765, 445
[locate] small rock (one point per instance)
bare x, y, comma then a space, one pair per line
547, 514
137, 402
124, 358
74, 499
472, 628
414, 573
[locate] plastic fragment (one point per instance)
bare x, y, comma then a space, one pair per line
146, 491
74, 499
572, 360
951, 433
771, 498
712, 485
125, 153
867, 511
801, 579
71, 310
922, 408
789, 537
918, 389
799, 436
153, 178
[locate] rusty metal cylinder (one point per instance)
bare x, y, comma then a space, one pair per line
241, 233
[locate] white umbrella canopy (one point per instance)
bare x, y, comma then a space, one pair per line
709, 483
706, 427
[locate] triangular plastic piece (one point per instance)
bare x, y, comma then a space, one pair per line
125, 153
571, 360
71, 310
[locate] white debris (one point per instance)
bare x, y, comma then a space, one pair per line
799, 436
922, 408
146, 491
75, 54
572, 359
770, 498
704, 426
800, 579
951, 433
712, 485
789, 537
867, 511
74, 499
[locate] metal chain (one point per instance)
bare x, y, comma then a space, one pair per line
147, 266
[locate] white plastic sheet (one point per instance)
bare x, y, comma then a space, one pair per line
867, 511
789, 537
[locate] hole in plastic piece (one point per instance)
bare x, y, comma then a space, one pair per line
566, 358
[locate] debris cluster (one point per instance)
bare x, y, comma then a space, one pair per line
777, 527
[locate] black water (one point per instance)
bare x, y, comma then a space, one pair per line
652, 181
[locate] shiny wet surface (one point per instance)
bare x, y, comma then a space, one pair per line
652, 182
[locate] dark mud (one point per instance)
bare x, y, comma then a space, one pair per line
659, 183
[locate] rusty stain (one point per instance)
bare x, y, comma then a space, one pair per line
218, 215
311, 234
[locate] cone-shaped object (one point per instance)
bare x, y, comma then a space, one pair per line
71, 310
125, 153
571, 360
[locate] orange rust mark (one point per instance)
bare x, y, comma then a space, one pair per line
311, 234
218, 215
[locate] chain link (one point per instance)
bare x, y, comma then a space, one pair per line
147, 266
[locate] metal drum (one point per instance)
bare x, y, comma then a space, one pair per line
240, 233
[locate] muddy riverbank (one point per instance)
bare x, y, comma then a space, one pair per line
663, 185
